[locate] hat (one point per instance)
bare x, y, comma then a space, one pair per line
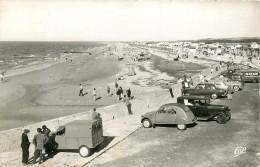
26, 130
39, 129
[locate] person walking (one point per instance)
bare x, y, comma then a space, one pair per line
211, 69
39, 141
229, 93
2, 76
108, 91
116, 85
81, 90
121, 92
170, 90
183, 90
95, 94
25, 146
128, 104
128, 92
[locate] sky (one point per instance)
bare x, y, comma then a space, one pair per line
129, 20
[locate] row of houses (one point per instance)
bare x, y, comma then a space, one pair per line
191, 48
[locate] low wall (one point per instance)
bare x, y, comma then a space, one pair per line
11, 139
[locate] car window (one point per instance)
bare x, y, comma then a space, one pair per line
212, 87
162, 110
200, 87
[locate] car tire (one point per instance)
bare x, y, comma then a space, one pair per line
221, 118
84, 151
228, 115
147, 123
214, 96
236, 88
182, 127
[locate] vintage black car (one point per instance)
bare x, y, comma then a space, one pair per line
234, 77
206, 89
203, 110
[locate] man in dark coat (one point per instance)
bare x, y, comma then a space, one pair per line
46, 131
25, 146
170, 90
128, 92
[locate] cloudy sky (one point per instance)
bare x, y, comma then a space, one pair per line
115, 20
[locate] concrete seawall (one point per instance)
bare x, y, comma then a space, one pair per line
11, 139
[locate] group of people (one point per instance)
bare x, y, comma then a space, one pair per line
40, 141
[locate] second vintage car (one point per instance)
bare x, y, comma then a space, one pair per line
172, 113
207, 89
203, 110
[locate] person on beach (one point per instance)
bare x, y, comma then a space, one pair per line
2, 76
108, 91
220, 64
128, 93
128, 104
116, 85
81, 90
183, 89
170, 90
121, 92
201, 78
25, 146
95, 94
211, 69
39, 141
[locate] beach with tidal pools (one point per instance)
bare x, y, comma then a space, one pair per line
50, 90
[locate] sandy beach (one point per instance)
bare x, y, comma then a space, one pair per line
46, 91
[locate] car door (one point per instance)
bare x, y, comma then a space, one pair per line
165, 115
199, 90
170, 115
198, 108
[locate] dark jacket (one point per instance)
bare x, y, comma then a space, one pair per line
25, 141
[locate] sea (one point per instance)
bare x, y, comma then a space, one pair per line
18, 54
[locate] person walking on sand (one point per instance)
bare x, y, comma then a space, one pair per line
2, 77
39, 141
81, 90
211, 69
108, 91
128, 104
170, 90
95, 94
128, 92
25, 146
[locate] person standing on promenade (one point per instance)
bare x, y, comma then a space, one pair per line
95, 115
201, 78
116, 85
39, 141
108, 91
95, 94
25, 146
121, 92
46, 131
81, 90
128, 104
170, 90
229, 93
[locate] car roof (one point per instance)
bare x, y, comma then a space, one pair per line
192, 97
206, 83
174, 104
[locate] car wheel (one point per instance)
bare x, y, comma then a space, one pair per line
228, 115
147, 123
236, 88
214, 96
221, 118
84, 151
182, 126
